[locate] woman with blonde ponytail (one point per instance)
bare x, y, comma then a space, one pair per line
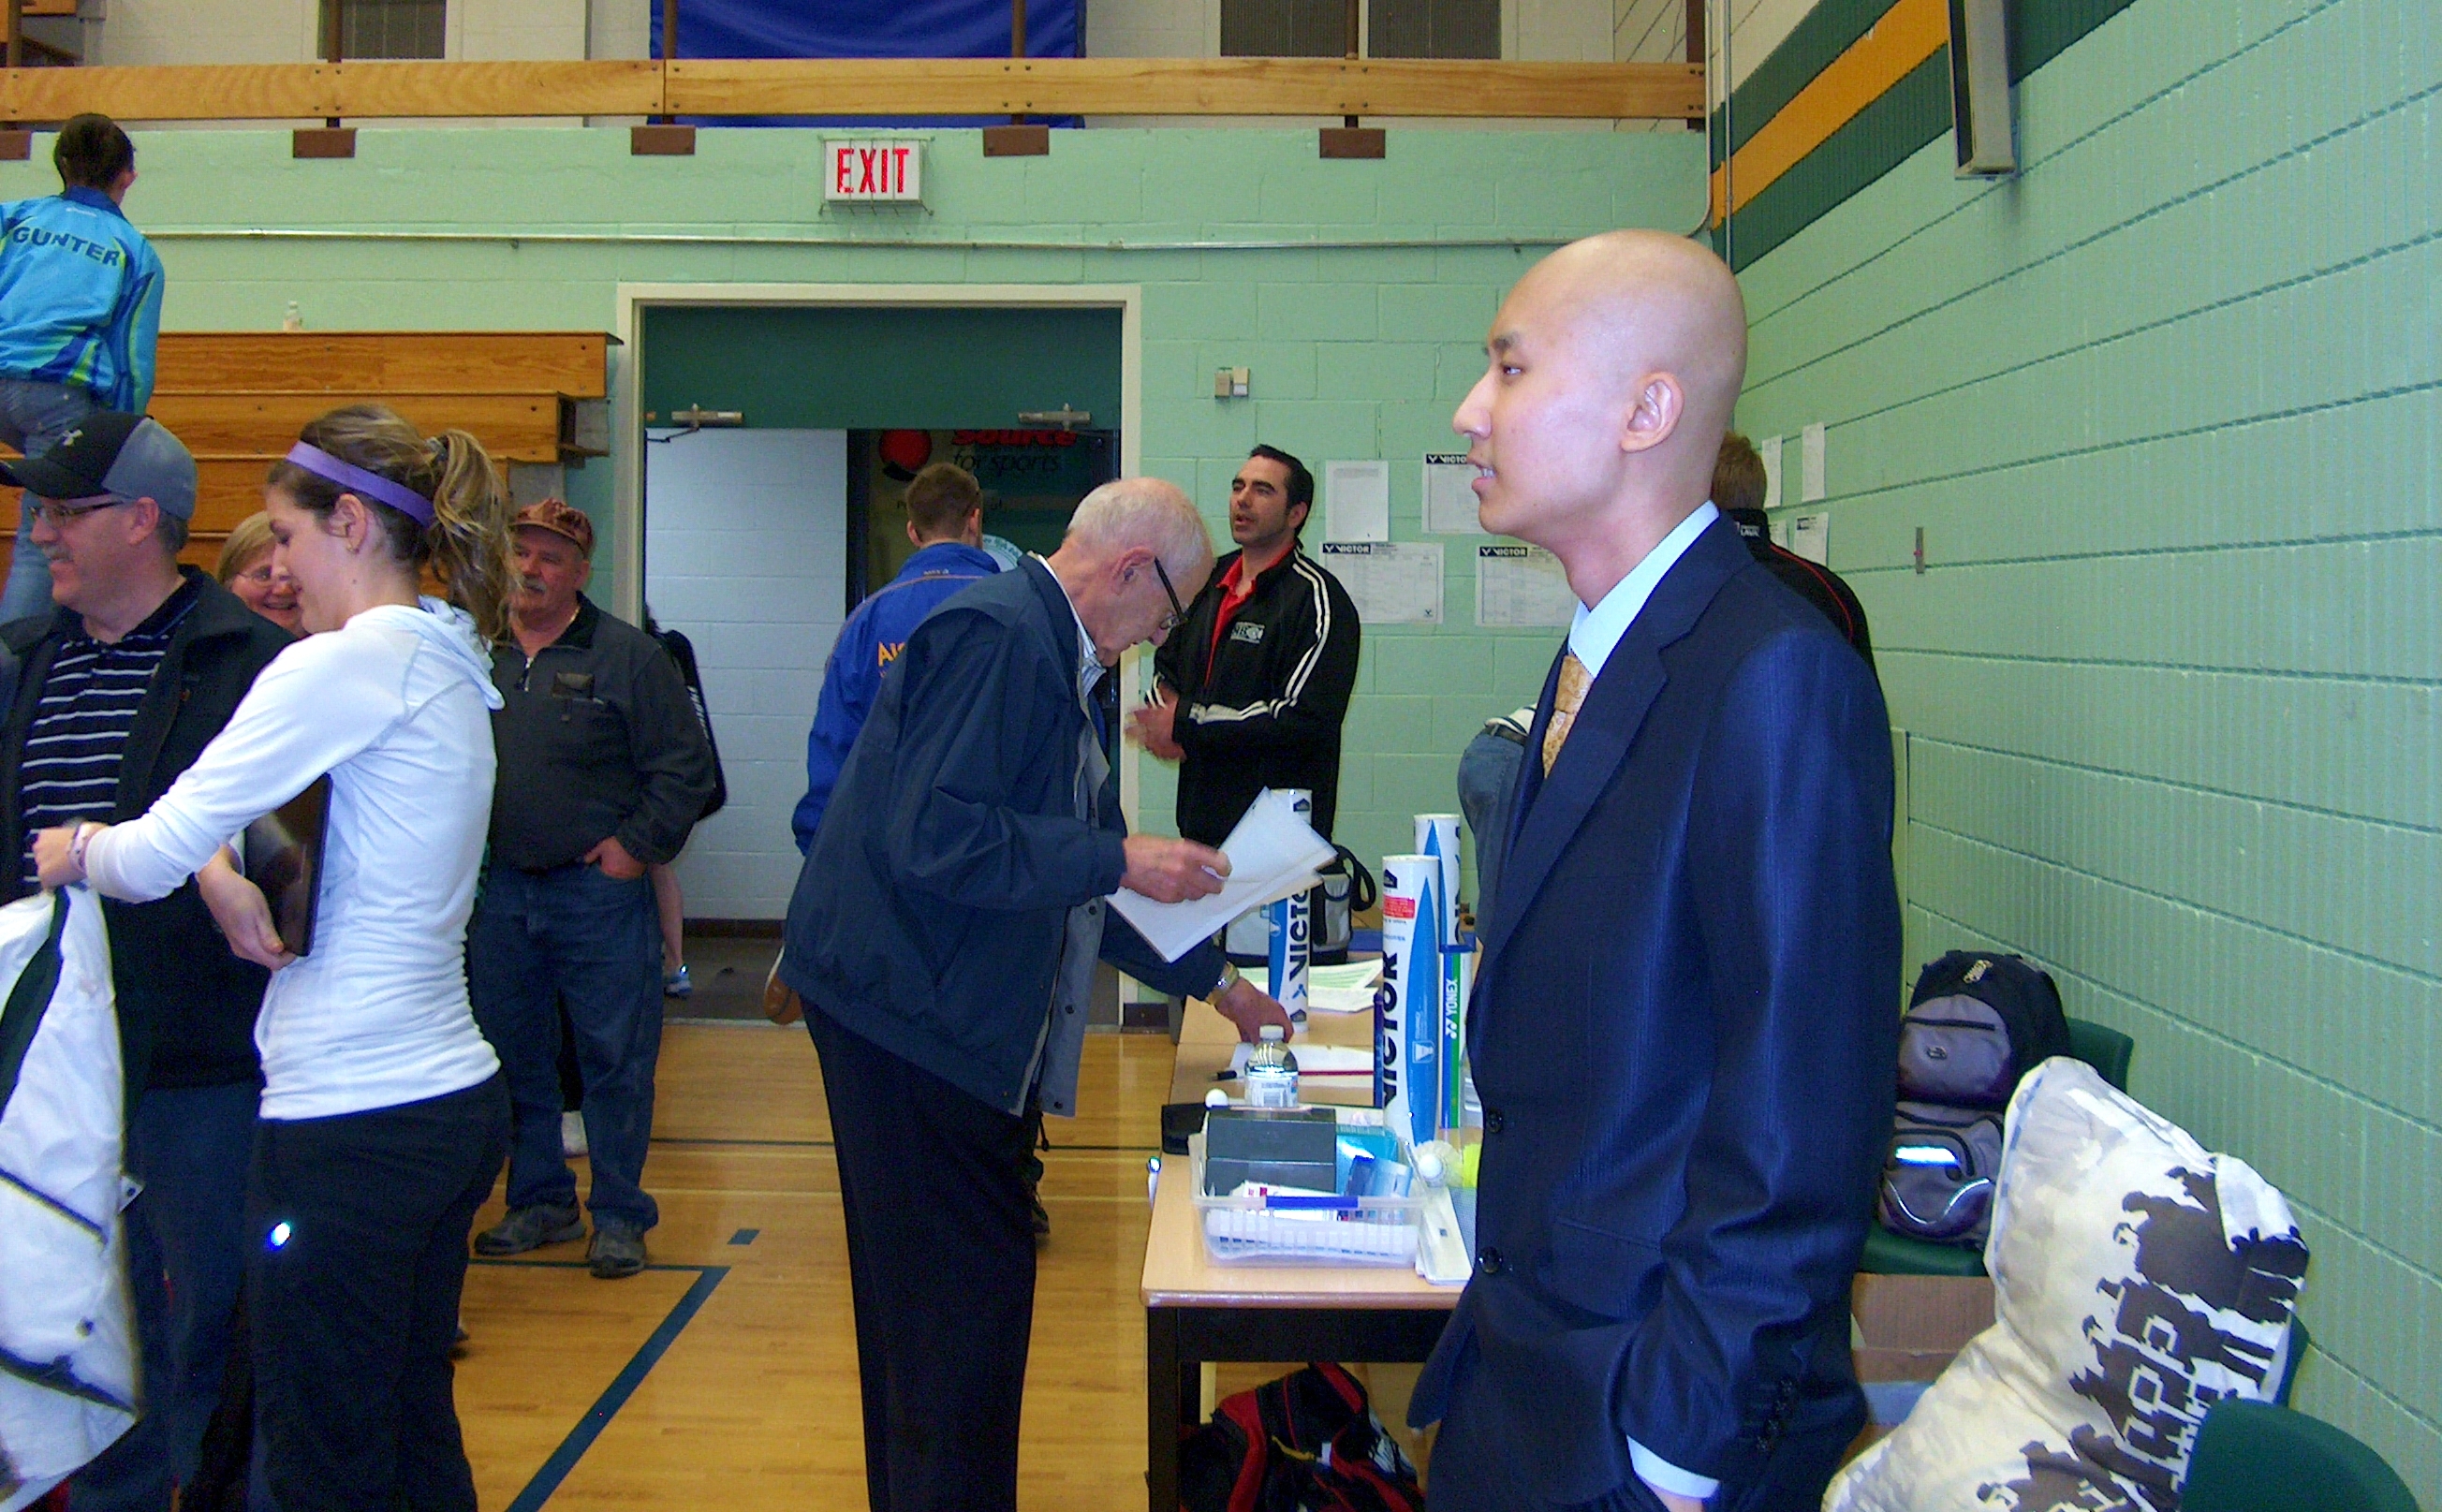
384, 1114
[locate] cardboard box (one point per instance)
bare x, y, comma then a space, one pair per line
1908, 1328
1905, 1331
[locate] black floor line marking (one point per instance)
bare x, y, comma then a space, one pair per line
562, 1460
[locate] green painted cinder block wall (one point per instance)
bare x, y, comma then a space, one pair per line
1357, 351
2165, 407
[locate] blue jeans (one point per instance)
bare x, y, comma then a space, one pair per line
33, 417
185, 1261
572, 932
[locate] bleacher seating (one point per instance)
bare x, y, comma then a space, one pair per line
237, 400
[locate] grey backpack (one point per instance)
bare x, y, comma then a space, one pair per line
1976, 1024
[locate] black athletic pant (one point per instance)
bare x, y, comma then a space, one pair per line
941, 1255
357, 1231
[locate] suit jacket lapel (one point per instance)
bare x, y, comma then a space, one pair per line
1549, 809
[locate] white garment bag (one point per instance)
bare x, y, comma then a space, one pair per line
68, 1346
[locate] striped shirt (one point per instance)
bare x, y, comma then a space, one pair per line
87, 711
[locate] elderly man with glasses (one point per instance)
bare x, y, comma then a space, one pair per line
122, 683
944, 937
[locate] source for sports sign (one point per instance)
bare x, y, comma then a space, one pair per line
886, 169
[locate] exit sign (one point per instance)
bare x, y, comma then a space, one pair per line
883, 170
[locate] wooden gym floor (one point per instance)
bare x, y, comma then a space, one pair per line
725, 1376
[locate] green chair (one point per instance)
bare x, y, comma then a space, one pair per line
2256, 1457
1890, 1254
2106, 1049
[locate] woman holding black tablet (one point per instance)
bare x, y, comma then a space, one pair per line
384, 1114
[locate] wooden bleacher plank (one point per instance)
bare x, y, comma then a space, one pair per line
513, 426
884, 86
1185, 86
362, 362
203, 548
226, 490
290, 91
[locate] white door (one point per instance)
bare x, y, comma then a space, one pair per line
746, 551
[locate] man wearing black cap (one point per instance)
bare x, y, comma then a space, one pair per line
123, 685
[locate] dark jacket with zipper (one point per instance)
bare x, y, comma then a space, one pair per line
597, 737
186, 1005
1264, 709
931, 913
1817, 584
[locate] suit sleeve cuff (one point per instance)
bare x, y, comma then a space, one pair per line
1664, 1476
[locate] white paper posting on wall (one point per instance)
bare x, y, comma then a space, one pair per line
1811, 467
1450, 495
1391, 582
1357, 500
1769, 449
1809, 536
1780, 531
1521, 585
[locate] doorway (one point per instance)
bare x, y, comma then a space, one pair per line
1032, 481
970, 371
746, 551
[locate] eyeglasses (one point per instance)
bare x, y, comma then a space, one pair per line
59, 516
1177, 616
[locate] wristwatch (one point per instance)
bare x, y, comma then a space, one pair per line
77, 841
1230, 978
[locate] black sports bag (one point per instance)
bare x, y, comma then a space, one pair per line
1977, 1022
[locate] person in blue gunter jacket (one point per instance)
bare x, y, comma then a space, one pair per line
80, 312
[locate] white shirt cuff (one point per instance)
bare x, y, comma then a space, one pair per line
1664, 1476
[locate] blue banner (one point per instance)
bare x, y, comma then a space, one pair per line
867, 29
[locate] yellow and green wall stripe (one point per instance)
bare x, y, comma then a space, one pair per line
1855, 90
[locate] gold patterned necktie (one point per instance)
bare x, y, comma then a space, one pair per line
1566, 701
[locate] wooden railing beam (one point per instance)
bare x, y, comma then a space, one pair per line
1187, 86
952, 86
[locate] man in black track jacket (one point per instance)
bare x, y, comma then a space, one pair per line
1738, 492
1254, 686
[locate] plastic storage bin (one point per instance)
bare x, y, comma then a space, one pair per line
1296, 1230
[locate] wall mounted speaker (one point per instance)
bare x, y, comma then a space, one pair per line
1980, 89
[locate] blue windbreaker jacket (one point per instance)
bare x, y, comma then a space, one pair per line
867, 644
80, 297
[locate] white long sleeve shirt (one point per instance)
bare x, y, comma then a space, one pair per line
395, 707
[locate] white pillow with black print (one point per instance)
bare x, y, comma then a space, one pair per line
2138, 1279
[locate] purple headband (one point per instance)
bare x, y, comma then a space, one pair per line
356, 481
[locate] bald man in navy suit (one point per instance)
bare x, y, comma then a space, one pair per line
1685, 1025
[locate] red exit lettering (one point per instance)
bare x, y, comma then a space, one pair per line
872, 169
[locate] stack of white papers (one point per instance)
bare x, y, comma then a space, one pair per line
1273, 852
1347, 989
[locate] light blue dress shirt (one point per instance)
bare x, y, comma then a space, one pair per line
1596, 632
